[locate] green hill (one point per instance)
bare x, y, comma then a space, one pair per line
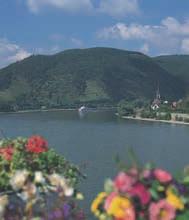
177, 65
96, 76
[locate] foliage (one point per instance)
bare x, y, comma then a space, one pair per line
31, 175
177, 65
143, 193
148, 113
164, 116
125, 108
98, 76
129, 108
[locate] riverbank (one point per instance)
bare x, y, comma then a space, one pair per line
57, 110
37, 110
154, 120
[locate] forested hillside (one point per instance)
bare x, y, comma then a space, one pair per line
96, 76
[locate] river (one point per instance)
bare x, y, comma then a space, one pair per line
93, 141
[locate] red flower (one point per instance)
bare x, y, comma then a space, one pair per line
37, 144
140, 191
7, 152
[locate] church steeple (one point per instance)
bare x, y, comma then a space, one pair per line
157, 100
158, 96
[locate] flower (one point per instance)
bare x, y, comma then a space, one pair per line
18, 180
3, 203
97, 202
60, 182
57, 214
7, 152
36, 144
57, 180
66, 210
79, 196
29, 192
161, 210
140, 191
121, 208
123, 182
174, 200
146, 173
109, 200
68, 191
38, 177
162, 176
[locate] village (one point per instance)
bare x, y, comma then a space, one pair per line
158, 109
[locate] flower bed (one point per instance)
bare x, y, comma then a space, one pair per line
144, 194
36, 182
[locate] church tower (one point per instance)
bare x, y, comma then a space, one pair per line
158, 96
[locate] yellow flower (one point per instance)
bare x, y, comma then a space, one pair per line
174, 200
96, 203
118, 206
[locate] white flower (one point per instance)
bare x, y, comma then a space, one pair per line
18, 179
59, 181
4, 200
39, 177
68, 191
3, 203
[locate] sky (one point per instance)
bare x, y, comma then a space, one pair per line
154, 27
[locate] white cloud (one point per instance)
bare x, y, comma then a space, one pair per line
185, 45
119, 7
166, 37
67, 5
10, 52
111, 7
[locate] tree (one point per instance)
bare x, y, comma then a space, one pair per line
126, 108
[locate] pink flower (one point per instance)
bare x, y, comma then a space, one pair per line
162, 176
146, 174
140, 191
161, 211
109, 200
123, 182
133, 172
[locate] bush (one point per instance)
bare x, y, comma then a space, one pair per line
186, 120
148, 114
179, 118
30, 174
164, 116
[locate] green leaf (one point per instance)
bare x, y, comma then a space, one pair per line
154, 194
184, 216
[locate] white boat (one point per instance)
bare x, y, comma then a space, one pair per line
82, 111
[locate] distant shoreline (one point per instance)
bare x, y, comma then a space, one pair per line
37, 110
56, 110
154, 120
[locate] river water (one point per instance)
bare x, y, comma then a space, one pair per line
94, 140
